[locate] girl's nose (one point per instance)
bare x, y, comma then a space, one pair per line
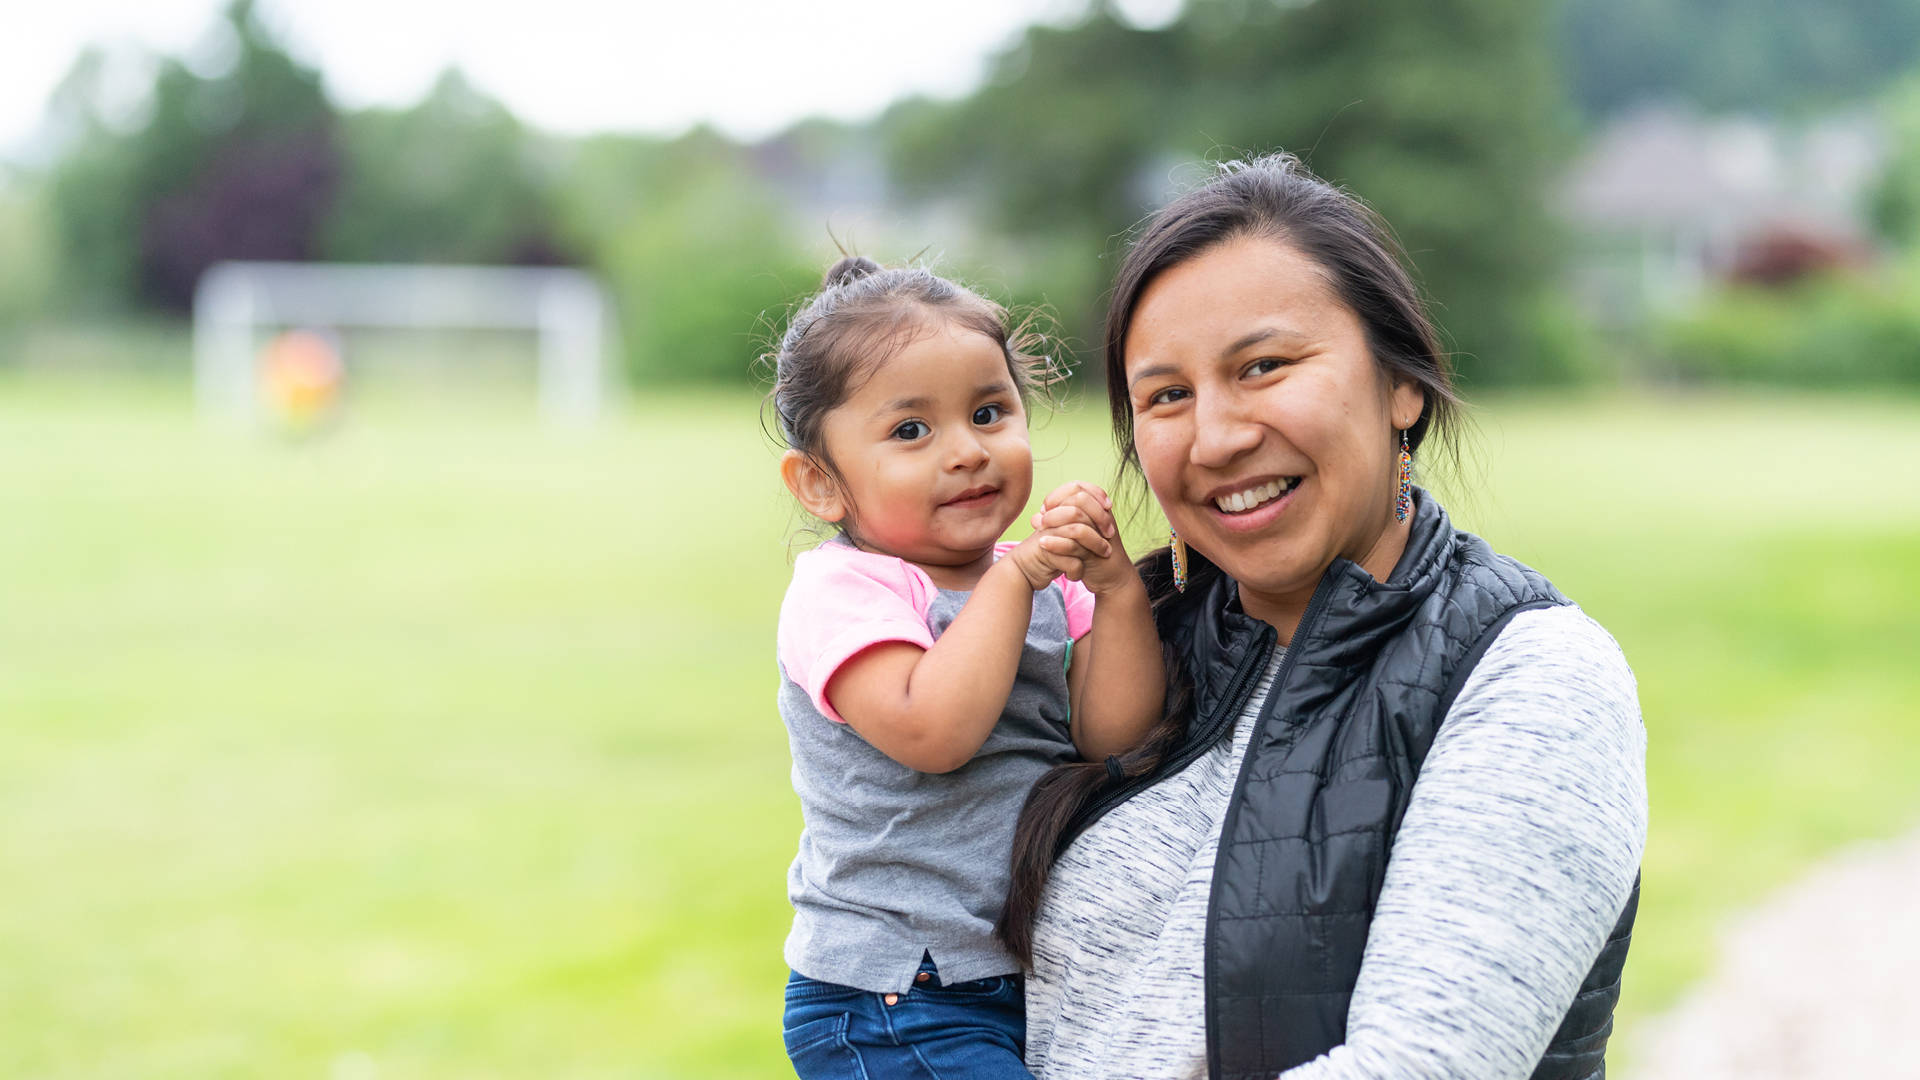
966, 452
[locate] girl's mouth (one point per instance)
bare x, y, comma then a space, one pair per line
972, 498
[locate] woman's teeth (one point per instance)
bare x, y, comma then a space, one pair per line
1242, 501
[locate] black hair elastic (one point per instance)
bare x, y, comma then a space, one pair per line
1114, 772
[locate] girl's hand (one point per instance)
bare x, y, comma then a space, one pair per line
1064, 548
1038, 564
1075, 525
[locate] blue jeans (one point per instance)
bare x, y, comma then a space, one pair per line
967, 1031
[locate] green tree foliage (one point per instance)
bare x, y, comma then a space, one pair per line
1896, 200
26, 273
1735, 54
455, 178
695, 246
1440, 114
241, 164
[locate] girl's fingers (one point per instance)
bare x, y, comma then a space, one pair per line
1076, 539
1064, 491
1066, 514
1081, 506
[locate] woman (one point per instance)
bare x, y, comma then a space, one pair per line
1350, 678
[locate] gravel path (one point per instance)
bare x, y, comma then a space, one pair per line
1822, 980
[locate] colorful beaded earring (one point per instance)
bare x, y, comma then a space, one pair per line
1403, 502
1179, 549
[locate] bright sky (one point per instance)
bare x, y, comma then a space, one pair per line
750, 66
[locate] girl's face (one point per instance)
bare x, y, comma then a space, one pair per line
932, 453
1264, 426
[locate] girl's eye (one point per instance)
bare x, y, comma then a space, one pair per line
987, 414
911, 430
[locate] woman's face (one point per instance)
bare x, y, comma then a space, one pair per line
1265, 428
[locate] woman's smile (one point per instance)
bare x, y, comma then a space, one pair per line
1249, 507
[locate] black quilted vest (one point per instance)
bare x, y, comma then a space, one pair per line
1367, 679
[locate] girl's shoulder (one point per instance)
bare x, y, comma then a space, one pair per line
837, 569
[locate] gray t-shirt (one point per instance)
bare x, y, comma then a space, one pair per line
895, 863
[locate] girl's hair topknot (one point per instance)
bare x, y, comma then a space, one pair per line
849, 270
863, 314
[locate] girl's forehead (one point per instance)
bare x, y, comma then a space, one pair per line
941, 361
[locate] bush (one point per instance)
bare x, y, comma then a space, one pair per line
1832, 331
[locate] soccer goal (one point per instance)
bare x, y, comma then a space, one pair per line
236, 303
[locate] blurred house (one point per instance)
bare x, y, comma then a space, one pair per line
1666, 201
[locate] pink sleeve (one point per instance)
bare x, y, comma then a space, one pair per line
841, 602
1079, 608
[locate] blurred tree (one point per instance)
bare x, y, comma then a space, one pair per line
1896, 200
1732, 54
455, 178
695, 245
91, 198
27, 271
1441, 114
237, 164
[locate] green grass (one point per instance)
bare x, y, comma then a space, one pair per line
446, 747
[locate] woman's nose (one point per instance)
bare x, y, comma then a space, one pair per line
1222, 430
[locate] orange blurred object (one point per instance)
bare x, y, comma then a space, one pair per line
301, 379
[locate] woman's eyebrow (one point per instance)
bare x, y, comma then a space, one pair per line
1281, 334
1266, 334
1150, 371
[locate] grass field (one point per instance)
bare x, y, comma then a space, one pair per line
445, 747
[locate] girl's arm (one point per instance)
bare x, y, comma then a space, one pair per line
1515, 858
1117, 690
931, 709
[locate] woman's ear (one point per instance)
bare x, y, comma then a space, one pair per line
813, 485
1406, 404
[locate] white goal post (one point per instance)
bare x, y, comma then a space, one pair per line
236, 300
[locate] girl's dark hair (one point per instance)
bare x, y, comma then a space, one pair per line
863, 314
1274, 197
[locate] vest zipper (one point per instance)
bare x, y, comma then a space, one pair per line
1314, 606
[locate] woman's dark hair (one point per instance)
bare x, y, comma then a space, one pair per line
1277, 198
862, 315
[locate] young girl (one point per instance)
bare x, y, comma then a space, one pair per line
928, 673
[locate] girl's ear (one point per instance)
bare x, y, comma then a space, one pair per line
813, 485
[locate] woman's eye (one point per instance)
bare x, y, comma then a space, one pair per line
987, 414
1264, 365
1168, 396
911, 430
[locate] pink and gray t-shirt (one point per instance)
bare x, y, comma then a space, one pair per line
894, 863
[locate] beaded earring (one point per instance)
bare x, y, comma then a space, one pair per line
1403, 502
1178, 547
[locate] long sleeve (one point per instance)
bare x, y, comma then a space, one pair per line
1516, 855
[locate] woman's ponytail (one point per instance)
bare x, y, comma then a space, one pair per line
1064, 791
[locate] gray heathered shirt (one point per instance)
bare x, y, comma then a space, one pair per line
1515, 857
895, 863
